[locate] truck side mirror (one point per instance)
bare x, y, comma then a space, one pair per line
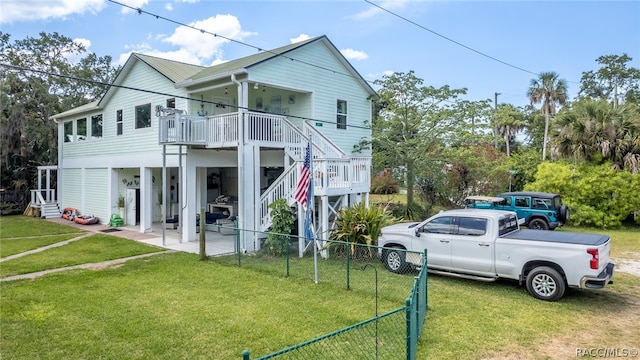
417, 233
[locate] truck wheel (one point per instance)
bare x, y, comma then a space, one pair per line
394, 260
545, 283
538, 224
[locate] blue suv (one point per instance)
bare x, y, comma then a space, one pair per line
536, 210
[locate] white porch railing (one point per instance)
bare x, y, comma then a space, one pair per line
182, 129
222, 130
327, 148
282, 188
340, 176
38, 197
330, 177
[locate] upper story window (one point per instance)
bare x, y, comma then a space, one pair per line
68, 131
119, 125
81, 125
341, 117
143, 116
171, 103
96, 126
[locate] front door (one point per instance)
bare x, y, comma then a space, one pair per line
131, 205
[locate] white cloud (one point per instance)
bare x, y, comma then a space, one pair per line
351, 54
181, 55
299, 38
205, 45
75, 58
392, 5
21, 10
84, 42
195, 47
375, 76
168, 6
133, 3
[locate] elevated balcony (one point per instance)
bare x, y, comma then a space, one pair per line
219, 131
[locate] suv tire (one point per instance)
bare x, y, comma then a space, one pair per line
538, 224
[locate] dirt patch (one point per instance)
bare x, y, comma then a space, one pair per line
629, 266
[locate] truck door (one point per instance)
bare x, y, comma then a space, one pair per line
435, 236
472, 246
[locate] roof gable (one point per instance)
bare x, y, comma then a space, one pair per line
174, 71
245, 63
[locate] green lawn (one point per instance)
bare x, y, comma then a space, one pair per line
94, 248
18, 245
625, 242
174, 306
25, 226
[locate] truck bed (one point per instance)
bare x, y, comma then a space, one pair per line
557, 236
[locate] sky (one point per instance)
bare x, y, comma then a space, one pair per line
486, 47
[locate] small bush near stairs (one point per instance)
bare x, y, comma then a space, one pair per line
281, 223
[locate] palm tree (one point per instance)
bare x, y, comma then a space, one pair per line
509, 121
547, 89
596, 132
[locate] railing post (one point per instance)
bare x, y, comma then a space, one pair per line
245, 355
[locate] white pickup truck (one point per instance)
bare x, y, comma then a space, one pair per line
488, 244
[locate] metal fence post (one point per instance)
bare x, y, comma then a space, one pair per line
245, 355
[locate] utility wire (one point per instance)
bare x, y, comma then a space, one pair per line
140, 11
451, 40
95, 82
458, 43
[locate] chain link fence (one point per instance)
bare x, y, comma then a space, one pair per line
396, 278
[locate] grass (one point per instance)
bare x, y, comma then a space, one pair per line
24, 226
174, 306
169, 306
18, 245
625, 242
95, 248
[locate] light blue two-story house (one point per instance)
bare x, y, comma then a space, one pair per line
172, 138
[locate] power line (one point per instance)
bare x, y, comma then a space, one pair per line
451, 40
140, 11
95, 82
203, 31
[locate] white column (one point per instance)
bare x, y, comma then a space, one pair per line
189, 202
48, 180
248, 189
112, 195
146, 203
324, 220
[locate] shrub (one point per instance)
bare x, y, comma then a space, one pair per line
597, 195
384, 184
360, 224
281, 223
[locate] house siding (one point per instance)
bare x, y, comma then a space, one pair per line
146, 139
326, 88
72, 188
96, 200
